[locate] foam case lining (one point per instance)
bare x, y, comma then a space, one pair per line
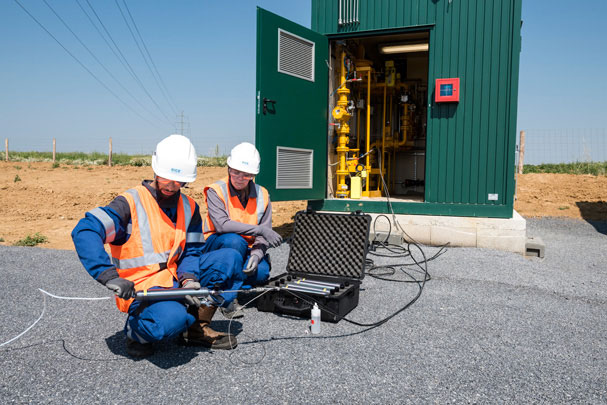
325, 247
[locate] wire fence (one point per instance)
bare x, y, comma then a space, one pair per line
564, 145
541, 146
98, 145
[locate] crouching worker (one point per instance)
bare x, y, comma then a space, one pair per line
239, 216
151, 229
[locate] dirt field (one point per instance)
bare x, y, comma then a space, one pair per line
35, 197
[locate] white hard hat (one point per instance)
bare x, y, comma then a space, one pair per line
175, 159
244, 157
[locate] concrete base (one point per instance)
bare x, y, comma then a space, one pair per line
494, 233
535, 247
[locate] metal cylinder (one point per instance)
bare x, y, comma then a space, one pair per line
295, 287
315, 286
324, 283
170, 294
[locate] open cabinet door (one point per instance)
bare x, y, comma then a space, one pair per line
291, 109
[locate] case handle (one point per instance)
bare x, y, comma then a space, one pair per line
292, 309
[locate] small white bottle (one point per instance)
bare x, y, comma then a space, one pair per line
315, 321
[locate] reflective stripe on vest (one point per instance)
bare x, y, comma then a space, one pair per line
107, 222
224, 189
187, 210
191, 237
261, 208
149, 256
194, 237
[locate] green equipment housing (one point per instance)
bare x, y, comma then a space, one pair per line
387, 105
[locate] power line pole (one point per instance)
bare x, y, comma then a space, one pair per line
181, 122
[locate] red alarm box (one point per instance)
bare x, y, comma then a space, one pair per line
447, 90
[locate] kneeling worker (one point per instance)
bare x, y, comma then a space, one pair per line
155, 237
239, 216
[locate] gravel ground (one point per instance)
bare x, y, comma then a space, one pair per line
489, 327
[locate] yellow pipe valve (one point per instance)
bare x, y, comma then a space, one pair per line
340, 114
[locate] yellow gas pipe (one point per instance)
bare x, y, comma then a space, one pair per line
367, 160
405, 126
380, 184
342, 116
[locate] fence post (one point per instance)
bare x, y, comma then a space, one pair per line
54, 149
109, 156
521, 153
6, 149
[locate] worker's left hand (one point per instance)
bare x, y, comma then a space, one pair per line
251, 265
189, 299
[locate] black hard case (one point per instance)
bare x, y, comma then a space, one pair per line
325, 247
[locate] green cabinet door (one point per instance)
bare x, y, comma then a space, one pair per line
291, 108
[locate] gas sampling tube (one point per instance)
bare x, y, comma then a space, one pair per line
342, 116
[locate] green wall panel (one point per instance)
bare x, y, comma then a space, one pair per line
300, 107
470, 144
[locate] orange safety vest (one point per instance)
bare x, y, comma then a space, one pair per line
251, 214
149, 257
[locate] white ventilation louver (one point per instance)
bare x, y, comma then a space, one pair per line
295, 55
348, 12
294, 167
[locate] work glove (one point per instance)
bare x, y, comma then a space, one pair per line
273, 238
189, 299
122, 287
251, 266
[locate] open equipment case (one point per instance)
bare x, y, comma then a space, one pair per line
326, 265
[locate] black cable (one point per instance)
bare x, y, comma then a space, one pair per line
140, 51
420, 284
162, 84
130, 68
63, 344
82, 64
97, 60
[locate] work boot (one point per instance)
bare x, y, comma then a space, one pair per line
232, 311
201, 333
136, 349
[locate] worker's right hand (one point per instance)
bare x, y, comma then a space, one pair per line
189, 299
122, 287
273, 238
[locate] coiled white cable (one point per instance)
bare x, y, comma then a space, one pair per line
44, 309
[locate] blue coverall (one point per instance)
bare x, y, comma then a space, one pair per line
155, 321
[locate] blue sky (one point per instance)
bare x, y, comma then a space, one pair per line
205, 53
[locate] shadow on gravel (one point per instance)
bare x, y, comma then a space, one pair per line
595, 213
169, 354
285, 230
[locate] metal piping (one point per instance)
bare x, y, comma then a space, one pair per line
367, 162
342, 116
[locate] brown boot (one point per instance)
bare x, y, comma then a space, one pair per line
201, 333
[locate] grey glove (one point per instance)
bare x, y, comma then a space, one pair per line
189, 299
251, 266
122, 287
273, 238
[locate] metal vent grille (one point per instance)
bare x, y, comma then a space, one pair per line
294, 167
348, 12
295, 56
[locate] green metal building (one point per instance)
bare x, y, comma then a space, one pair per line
430, 157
